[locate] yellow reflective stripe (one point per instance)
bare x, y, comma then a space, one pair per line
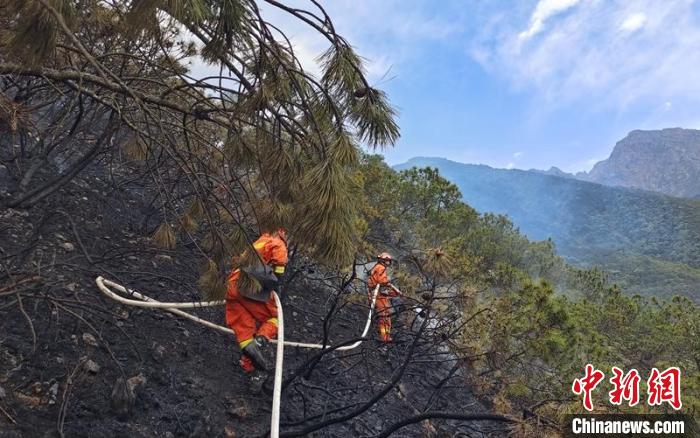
273, 321
245, 343
279, 269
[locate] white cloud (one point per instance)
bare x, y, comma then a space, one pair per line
510, 165
634, 22
667, 106
517, 154
612, 53
543, 11
385, 33
306, 51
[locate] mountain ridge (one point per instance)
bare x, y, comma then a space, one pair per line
664, 161
592, 224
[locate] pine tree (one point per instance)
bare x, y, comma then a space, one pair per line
260, 144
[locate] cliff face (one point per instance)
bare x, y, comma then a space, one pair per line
665, 161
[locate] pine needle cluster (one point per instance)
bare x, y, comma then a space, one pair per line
263, 145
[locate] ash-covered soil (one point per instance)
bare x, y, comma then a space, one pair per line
64, 346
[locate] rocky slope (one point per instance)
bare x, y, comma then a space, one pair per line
63, 346
665, 161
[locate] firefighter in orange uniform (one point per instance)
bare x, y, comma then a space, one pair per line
254, 318
379, 276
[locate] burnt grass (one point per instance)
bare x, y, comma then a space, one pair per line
63, 345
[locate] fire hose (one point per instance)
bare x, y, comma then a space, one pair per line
105, 286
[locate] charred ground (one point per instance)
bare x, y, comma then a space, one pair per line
63, 346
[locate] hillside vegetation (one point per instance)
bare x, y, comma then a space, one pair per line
527, 321
114, 161
513, 324
648, 241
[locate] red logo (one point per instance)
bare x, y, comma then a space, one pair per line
587, 384
662, 387
626, 388
665, 387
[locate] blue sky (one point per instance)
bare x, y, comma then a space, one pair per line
524, 84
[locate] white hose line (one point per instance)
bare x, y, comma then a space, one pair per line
174, 308
279, 359
144, 301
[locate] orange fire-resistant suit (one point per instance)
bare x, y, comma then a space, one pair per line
378, 276
249, 318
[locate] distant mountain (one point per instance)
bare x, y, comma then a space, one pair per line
649, 241
666, 161
555, 171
